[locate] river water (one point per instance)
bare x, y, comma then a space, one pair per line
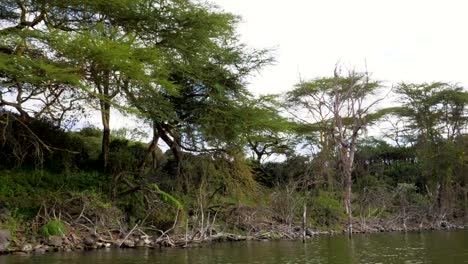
443, 247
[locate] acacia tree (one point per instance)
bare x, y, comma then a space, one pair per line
265, 131
124, 53
134, 45
436, 116
341, 107
33, 81
314, 125
108, 60
41, 65
196, 106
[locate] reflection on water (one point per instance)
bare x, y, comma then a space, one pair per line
426, 247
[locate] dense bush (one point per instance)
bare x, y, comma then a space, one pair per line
326, 210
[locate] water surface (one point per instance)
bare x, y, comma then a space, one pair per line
427, 247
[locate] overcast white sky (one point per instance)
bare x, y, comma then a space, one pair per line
401, 40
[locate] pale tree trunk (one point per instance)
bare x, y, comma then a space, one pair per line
346, 151
347, 195
347, 160
304, 222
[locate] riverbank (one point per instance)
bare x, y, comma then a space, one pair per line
413, 247
137, 238
38, 216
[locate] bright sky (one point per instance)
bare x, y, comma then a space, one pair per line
401, 40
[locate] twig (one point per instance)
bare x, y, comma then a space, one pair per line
170, 229
186, 231
129, 233
87, 219
110, 234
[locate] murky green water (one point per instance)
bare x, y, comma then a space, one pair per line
428, 247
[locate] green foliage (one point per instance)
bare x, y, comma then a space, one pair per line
376, 160
407, 196
167, 197
11, 224
326, 210
228, 174
434, 111
263, 129
90, 132
54, 228
24, 191
280, 173
178, 66
125, 155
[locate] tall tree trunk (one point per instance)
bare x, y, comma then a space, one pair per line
346, 171
151, 150
436, 203
105, 115
102, 82
442, 200
347, 160
174, 145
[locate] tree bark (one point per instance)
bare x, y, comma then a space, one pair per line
105, 115
174, 145
151, 150
347, 170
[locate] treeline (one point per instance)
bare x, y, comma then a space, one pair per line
178, 67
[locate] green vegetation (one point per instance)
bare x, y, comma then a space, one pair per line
327, 210
53, 228
178, 68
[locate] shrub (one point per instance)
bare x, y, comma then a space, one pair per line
287, 202
54, 228
327, 210
10, 224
